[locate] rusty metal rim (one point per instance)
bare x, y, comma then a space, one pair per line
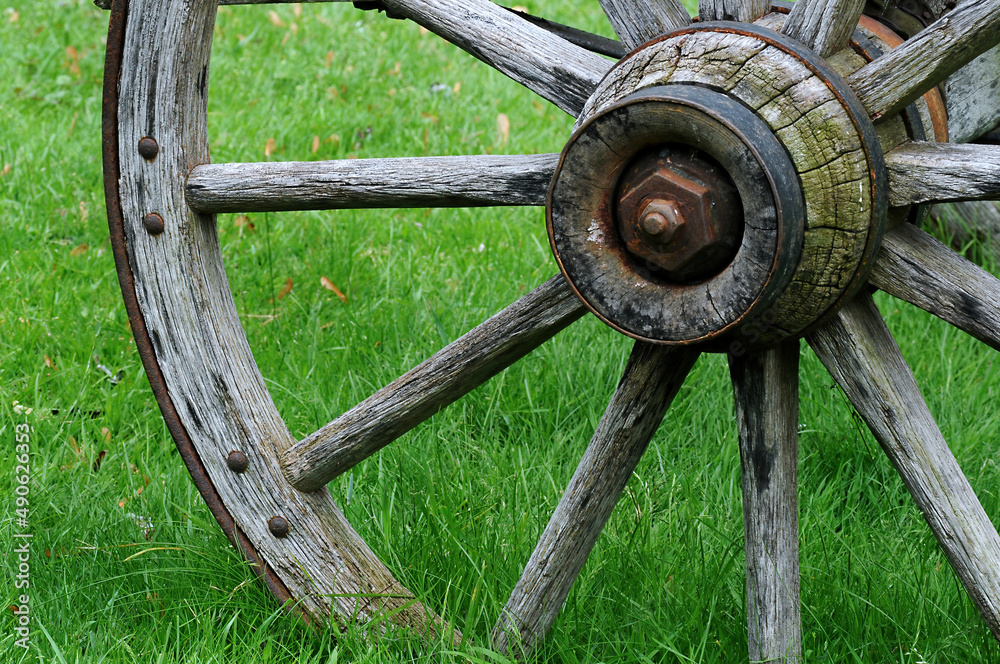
126, 280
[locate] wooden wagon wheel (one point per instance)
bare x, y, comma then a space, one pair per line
732, 186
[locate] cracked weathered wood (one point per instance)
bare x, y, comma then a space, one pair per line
802, 110
747, 11
544, 63
200, 348
939, 172
638, 21
973, 92
453, 372
918, 269
861, 355
825, 26
766, 390
972, 96
889, 84
371, 183
651, 380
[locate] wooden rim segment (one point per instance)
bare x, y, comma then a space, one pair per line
190, 336
144, 345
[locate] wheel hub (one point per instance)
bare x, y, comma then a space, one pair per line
734, 200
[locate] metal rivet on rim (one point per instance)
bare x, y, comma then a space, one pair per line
237, 461
278, 526
153, 223
148, 148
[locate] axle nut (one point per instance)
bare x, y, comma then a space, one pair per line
679, 212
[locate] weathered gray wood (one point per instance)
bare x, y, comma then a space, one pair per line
825, 26
747, 11
371, 183
200, 348
863, 358
972, 96
549, 65
915, 267
637, 21
888, 84
106, 4
417, 395
766, 389
937, 172
651, 380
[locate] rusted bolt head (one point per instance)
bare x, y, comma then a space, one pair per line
680, 212
660, 219
153, 223
148, 148
278, 526
237, 462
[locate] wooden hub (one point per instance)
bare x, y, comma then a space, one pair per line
736, 199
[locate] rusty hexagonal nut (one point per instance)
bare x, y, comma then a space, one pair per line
681, 215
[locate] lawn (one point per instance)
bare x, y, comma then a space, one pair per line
128, 565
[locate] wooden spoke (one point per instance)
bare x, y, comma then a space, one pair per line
765, 385
451, 373
747, 11
637, 21
923, 172
825, 26
106, 4
973, 98
550, 66
594, 43
916, 268
863, 358
893, 81
651, 380
371, 183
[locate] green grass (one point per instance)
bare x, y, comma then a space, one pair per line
127, 563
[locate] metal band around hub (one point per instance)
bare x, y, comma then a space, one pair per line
617, 286
817, 120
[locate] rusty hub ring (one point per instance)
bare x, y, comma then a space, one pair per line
619, 288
